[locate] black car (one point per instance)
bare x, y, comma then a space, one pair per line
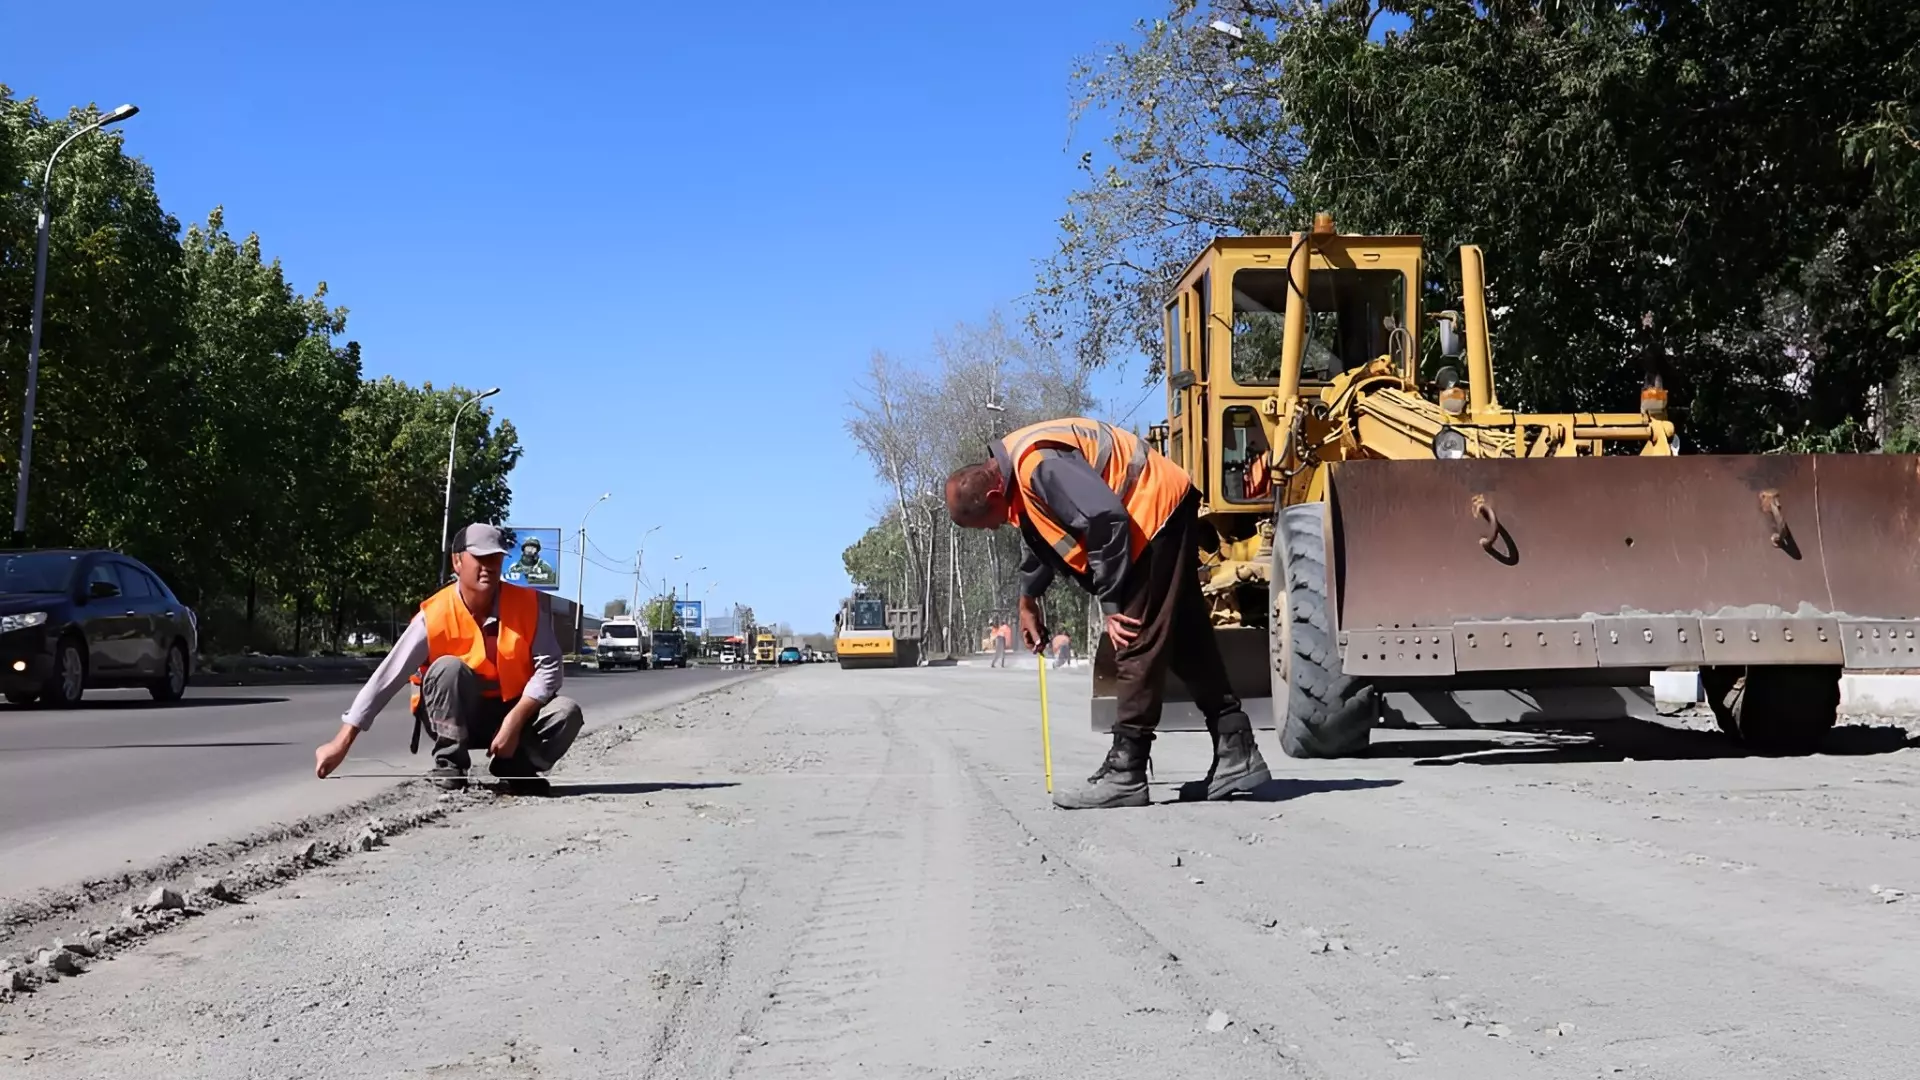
70, 620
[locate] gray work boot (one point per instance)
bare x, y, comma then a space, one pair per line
449, 777
1120, 781
1237, 764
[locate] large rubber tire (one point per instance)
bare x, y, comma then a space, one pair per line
64, 688
1777, 708
1319, 711
173, 684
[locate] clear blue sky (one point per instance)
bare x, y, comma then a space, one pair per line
675, 237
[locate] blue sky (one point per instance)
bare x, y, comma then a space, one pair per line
672, 239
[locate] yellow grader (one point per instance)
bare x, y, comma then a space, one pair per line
1377, 532
869, 634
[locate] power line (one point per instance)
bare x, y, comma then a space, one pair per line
1151, 387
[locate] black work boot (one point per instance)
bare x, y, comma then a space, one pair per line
520, 777
1237, 764
1120, 781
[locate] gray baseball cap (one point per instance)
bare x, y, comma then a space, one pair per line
481, 539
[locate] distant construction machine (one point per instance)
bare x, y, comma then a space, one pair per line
869, 634
1383, 534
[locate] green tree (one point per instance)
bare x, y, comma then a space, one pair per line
660, 614
106, 442
1663, 189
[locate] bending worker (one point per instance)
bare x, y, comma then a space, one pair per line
492, 680
1122, 520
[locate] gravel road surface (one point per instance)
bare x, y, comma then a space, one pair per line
90, 791
856, 874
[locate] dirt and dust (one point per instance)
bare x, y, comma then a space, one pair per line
858, 874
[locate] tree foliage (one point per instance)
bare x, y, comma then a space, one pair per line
198, 412
1720, 194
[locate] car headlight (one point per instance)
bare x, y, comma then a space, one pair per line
23, 621
1448, 444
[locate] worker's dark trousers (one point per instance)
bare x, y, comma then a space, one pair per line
1175, 632
462, 718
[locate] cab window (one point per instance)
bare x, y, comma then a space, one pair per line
1243, 457
1351, 320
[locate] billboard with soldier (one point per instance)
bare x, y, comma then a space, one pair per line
535, 558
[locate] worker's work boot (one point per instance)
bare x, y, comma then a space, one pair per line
520, 777
1237, 764
448, 776
1120, 781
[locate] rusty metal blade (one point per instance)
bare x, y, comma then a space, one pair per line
1435, 543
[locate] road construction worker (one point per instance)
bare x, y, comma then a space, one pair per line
1097, 503
1062, 650
1002, 642
491, 678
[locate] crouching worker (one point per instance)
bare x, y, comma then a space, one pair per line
491, 681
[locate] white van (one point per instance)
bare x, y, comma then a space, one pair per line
621, 645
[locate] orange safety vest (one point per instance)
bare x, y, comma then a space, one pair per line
452, 631
1148, 483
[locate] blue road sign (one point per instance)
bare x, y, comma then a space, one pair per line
688, 614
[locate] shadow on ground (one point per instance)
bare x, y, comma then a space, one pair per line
561, 788
1282, 789
142, 704
1587, 742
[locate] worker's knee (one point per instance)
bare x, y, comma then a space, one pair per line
567, 715
447, 669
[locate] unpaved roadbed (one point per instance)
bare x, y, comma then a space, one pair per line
836, 873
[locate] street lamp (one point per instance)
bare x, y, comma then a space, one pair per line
639, 556
39, 301
446, 513
580, 583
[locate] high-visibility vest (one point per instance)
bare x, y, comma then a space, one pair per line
452, 631
1149, 484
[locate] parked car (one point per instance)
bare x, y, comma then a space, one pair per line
789, 655
73, 620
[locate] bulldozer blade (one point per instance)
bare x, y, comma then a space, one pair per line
1497, 565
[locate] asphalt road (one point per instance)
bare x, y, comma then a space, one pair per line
123, 781
827, 874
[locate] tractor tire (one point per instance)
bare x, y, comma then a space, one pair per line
1319, 711
1785, 709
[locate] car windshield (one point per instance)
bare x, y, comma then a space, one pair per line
630, 633
37, 572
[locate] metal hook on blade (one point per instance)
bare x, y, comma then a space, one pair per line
1483, 509
1770, 506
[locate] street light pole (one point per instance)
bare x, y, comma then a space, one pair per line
580, 583
446, 513
639, 558
39, 303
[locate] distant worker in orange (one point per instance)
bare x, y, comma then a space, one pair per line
1101, 505
1062, 649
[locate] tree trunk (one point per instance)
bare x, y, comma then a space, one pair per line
253, 598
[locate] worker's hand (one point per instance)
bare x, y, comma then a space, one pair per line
506, 741
328, 756
1033, 629
1122, 629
